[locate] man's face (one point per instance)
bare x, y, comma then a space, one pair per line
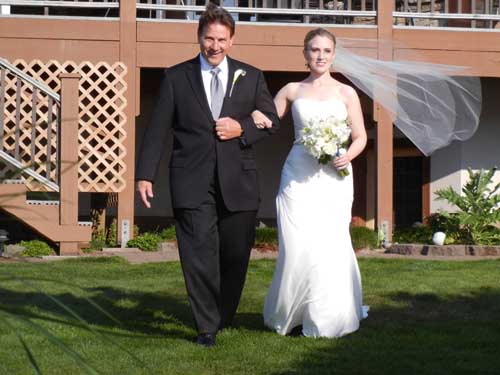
215, 42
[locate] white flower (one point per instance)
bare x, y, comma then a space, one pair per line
323, 137
330, 148
237, 74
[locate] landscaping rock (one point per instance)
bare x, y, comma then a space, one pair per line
120, 250
444, 250
170, 246
483, 250
13, 251
432, 250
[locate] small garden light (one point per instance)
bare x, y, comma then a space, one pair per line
3, 239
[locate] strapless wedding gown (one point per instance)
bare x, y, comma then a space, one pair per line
316, 282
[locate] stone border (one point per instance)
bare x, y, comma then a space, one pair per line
445, 250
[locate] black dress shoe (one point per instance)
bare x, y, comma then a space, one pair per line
206, 339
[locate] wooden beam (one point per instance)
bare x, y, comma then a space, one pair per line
277, 58
256, 34
61, 50
40, 28
482, 64
128, 55
384, 130
68, 206
447, 40
370, 187
426, 187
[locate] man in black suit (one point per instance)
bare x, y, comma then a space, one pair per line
207, 102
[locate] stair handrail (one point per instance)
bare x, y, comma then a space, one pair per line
37, 176
48, 91
41, 86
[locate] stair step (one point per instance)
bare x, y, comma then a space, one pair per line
38, 202
13, 182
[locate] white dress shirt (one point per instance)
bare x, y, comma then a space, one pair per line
207, 76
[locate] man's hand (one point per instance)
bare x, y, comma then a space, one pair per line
226, 128
145, 189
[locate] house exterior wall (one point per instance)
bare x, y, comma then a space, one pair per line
273, 48
449, 165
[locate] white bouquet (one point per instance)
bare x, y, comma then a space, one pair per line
325, 138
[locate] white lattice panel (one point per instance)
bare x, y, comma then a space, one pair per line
27, 134
102, 121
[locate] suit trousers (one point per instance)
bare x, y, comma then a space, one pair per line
214, 248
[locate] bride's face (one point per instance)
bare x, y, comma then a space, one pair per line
319, 54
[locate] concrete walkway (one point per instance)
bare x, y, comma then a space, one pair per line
168, 253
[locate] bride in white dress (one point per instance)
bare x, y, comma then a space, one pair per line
316, 283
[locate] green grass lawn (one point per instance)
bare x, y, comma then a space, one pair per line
426, 317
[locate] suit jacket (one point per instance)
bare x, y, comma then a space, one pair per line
197, 152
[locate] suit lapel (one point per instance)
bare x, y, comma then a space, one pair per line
194, 76
230, 75
231, 65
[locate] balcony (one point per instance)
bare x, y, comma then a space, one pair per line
356, 13
472, 14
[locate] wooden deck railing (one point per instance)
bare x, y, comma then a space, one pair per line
267, 11
477, 14
63, 8
481, 14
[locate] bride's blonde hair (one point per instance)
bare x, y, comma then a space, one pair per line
319, 32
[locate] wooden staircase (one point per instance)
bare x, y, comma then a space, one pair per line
42, 215
27, 146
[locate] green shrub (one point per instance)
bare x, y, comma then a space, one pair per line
168, 234
36, 248
112, 233
363, 238
421, 235
146, 242
478, 208
266, 235
95, 244
98, 241
101, 239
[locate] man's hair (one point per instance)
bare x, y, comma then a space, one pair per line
215, 14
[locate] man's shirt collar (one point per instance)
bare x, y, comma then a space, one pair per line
223, 66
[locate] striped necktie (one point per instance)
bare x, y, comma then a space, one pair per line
216, 93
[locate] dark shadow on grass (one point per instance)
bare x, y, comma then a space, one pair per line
249, 321
157, 315
423, 334
153, 314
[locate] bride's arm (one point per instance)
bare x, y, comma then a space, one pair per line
282, 100
358, 132
282, 104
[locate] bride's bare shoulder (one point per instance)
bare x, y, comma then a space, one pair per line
289, 91
347, 92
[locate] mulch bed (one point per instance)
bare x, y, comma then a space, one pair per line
266, 247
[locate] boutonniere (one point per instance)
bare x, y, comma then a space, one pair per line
237, 74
